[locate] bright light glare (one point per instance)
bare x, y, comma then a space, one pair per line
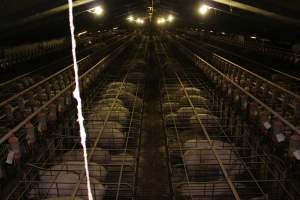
140, 21
97, 10
203, 9
162, 20
223, 33
170, 18
81, 33
130, 18
253, 37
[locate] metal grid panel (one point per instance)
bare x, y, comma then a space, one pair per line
113, 135
195, 171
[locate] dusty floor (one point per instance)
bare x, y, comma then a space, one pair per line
153, 180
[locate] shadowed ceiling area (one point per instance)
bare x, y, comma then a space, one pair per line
25, 21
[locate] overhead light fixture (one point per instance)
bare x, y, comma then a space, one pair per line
170, 18
140, 21
253, 37
203, 9
98, 10
130, 18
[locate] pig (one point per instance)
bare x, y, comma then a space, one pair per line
128, 98
95, 124
210, 122
123, 158
196, 100
99, 156
97, 171
125, 161
200, 160
129, 87
170, 119
131, 100
114, 93
189, 90
63, 185
110, 102
110, 138
121, 109
170, 107
185, 113
112, 115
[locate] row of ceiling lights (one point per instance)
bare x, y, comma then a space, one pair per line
203, 10
160, 20
163, 20
137, 20
98, 10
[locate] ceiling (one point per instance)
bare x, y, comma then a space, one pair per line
31, 20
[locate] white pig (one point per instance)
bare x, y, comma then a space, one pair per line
96, 124
195, 99
210, 122
99, 156
170, 107
185, 113
129, 87
63, 185
200, 160
97, 171
189, 91
110, 138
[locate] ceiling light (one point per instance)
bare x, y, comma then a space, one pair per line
140, 21
130, 18
97, 10
203, 9
170, 18
253, 37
